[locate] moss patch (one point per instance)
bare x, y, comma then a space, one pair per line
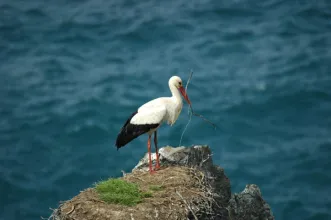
156, 187
119, 191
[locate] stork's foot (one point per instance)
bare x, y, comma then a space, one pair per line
157, 167
152, 172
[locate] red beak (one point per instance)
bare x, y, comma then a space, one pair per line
183, 92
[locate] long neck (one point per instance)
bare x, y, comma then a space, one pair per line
175, 93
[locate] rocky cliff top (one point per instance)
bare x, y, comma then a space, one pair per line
188, 186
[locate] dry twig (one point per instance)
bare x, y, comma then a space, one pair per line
203, 161
72, 209
188, 206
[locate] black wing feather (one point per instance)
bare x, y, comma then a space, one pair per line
131, 131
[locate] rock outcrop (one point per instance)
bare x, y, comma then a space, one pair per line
189, 186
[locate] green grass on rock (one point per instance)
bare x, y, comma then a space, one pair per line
120, 192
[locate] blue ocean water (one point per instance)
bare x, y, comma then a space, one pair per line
73, 71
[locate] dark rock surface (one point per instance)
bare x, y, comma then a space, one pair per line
249, 204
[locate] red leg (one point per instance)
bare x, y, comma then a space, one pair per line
149, 154
157, 166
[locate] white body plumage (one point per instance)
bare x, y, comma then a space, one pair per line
164, 109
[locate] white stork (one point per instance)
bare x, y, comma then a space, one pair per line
151, 115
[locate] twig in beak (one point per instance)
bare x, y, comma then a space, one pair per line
191, 109
181, 137
191, 112
200, 116
188, 81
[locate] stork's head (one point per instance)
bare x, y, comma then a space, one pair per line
177, 82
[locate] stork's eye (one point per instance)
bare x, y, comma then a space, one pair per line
180, 83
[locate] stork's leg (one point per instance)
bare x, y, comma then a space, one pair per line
149, 154
157, 166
